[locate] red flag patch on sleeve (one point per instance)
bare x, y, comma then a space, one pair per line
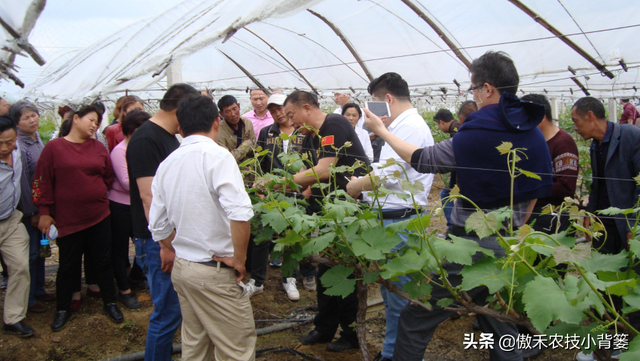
328, 140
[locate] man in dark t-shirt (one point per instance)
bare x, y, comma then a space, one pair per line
148, 147
333, 132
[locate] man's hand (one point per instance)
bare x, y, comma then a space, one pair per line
372, 121
354, 189
233, 263
35, 220
167, 256
45, 223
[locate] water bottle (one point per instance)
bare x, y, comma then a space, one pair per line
45, 248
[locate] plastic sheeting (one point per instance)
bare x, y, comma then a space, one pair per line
284, 46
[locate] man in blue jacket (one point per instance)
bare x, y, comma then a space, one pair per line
481, 176
615, 161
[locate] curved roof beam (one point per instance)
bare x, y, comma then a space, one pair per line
440, 33
540, 20
285, 59
346, 42
247, 73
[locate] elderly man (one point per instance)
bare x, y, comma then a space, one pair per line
14, 239
236, 132
482, 177
259, 116
201, 212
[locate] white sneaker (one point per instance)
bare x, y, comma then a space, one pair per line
252, 289
291, 289
309, 283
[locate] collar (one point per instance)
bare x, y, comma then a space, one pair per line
14, 154
266, 115
195, 138
404, 115
27, 139
607, 134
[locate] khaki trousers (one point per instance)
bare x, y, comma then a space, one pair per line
14, 245
216, 311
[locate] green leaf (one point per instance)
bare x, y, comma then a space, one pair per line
485, 272
484, 226
318, 244
445, 302
458, 250
605, 262
290, 238
505, 147
412, 187
289, 264
275, 220
409, 262
617, 283
545, 302
370, 277
634, 246
529, 174
266, 233
374, 243
633, 353
564, 254
633, 300
336, 282
611, 211
415, 289
419, 223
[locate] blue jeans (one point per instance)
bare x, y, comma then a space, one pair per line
166, 316
393, 303
36, 264
448, 208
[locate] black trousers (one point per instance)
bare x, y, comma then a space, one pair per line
257, 259
335, 310
121, 231
95, 243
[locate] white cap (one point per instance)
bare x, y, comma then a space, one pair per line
277, 99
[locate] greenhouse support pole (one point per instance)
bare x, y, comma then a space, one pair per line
247, 73
555, 114
613, 110
174, 72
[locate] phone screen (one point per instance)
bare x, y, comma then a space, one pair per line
378, 108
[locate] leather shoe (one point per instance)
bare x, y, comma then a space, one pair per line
37, 308
342, 344
60, 320
113, 312
379, 357
75, 304
18, 328
314, 337
129, 300
46, 297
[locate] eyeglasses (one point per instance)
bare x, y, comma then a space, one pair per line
473, 88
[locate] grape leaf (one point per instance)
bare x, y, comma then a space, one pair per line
374, 243
529, 174
458, 250
336, 282
617, 283
445, 302
633, 353
419, 223
605, 262
275, 220
485, 272
370, 277
409, 262
417, 290
505, 147
484, 226
564, 254
554, 305
318, 244
634, 246
412, 187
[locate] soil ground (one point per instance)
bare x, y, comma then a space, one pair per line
91, 336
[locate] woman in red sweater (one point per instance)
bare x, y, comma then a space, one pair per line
70, 186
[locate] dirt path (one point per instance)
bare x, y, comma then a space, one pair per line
91, 336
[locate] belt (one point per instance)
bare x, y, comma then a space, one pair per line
462, 232
214, 264
399, 213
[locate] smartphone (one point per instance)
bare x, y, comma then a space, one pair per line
378, 108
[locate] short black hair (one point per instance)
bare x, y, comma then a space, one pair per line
15, 112
196, 114
542, 100
586, 104
625, 100
174, 94
226, 101
391, 83
351, 105
65, 127
300, 97
467, 108
7, 123
133, 120
443, 115
497, 69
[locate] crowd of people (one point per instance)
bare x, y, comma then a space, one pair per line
185, 207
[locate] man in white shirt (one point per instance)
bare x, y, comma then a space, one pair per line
407, 124
201, 211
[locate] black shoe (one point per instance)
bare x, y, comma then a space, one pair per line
314, 337
379, 357
342, 344
113, 312
476, 325
60, 320
18, 328
129, 300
